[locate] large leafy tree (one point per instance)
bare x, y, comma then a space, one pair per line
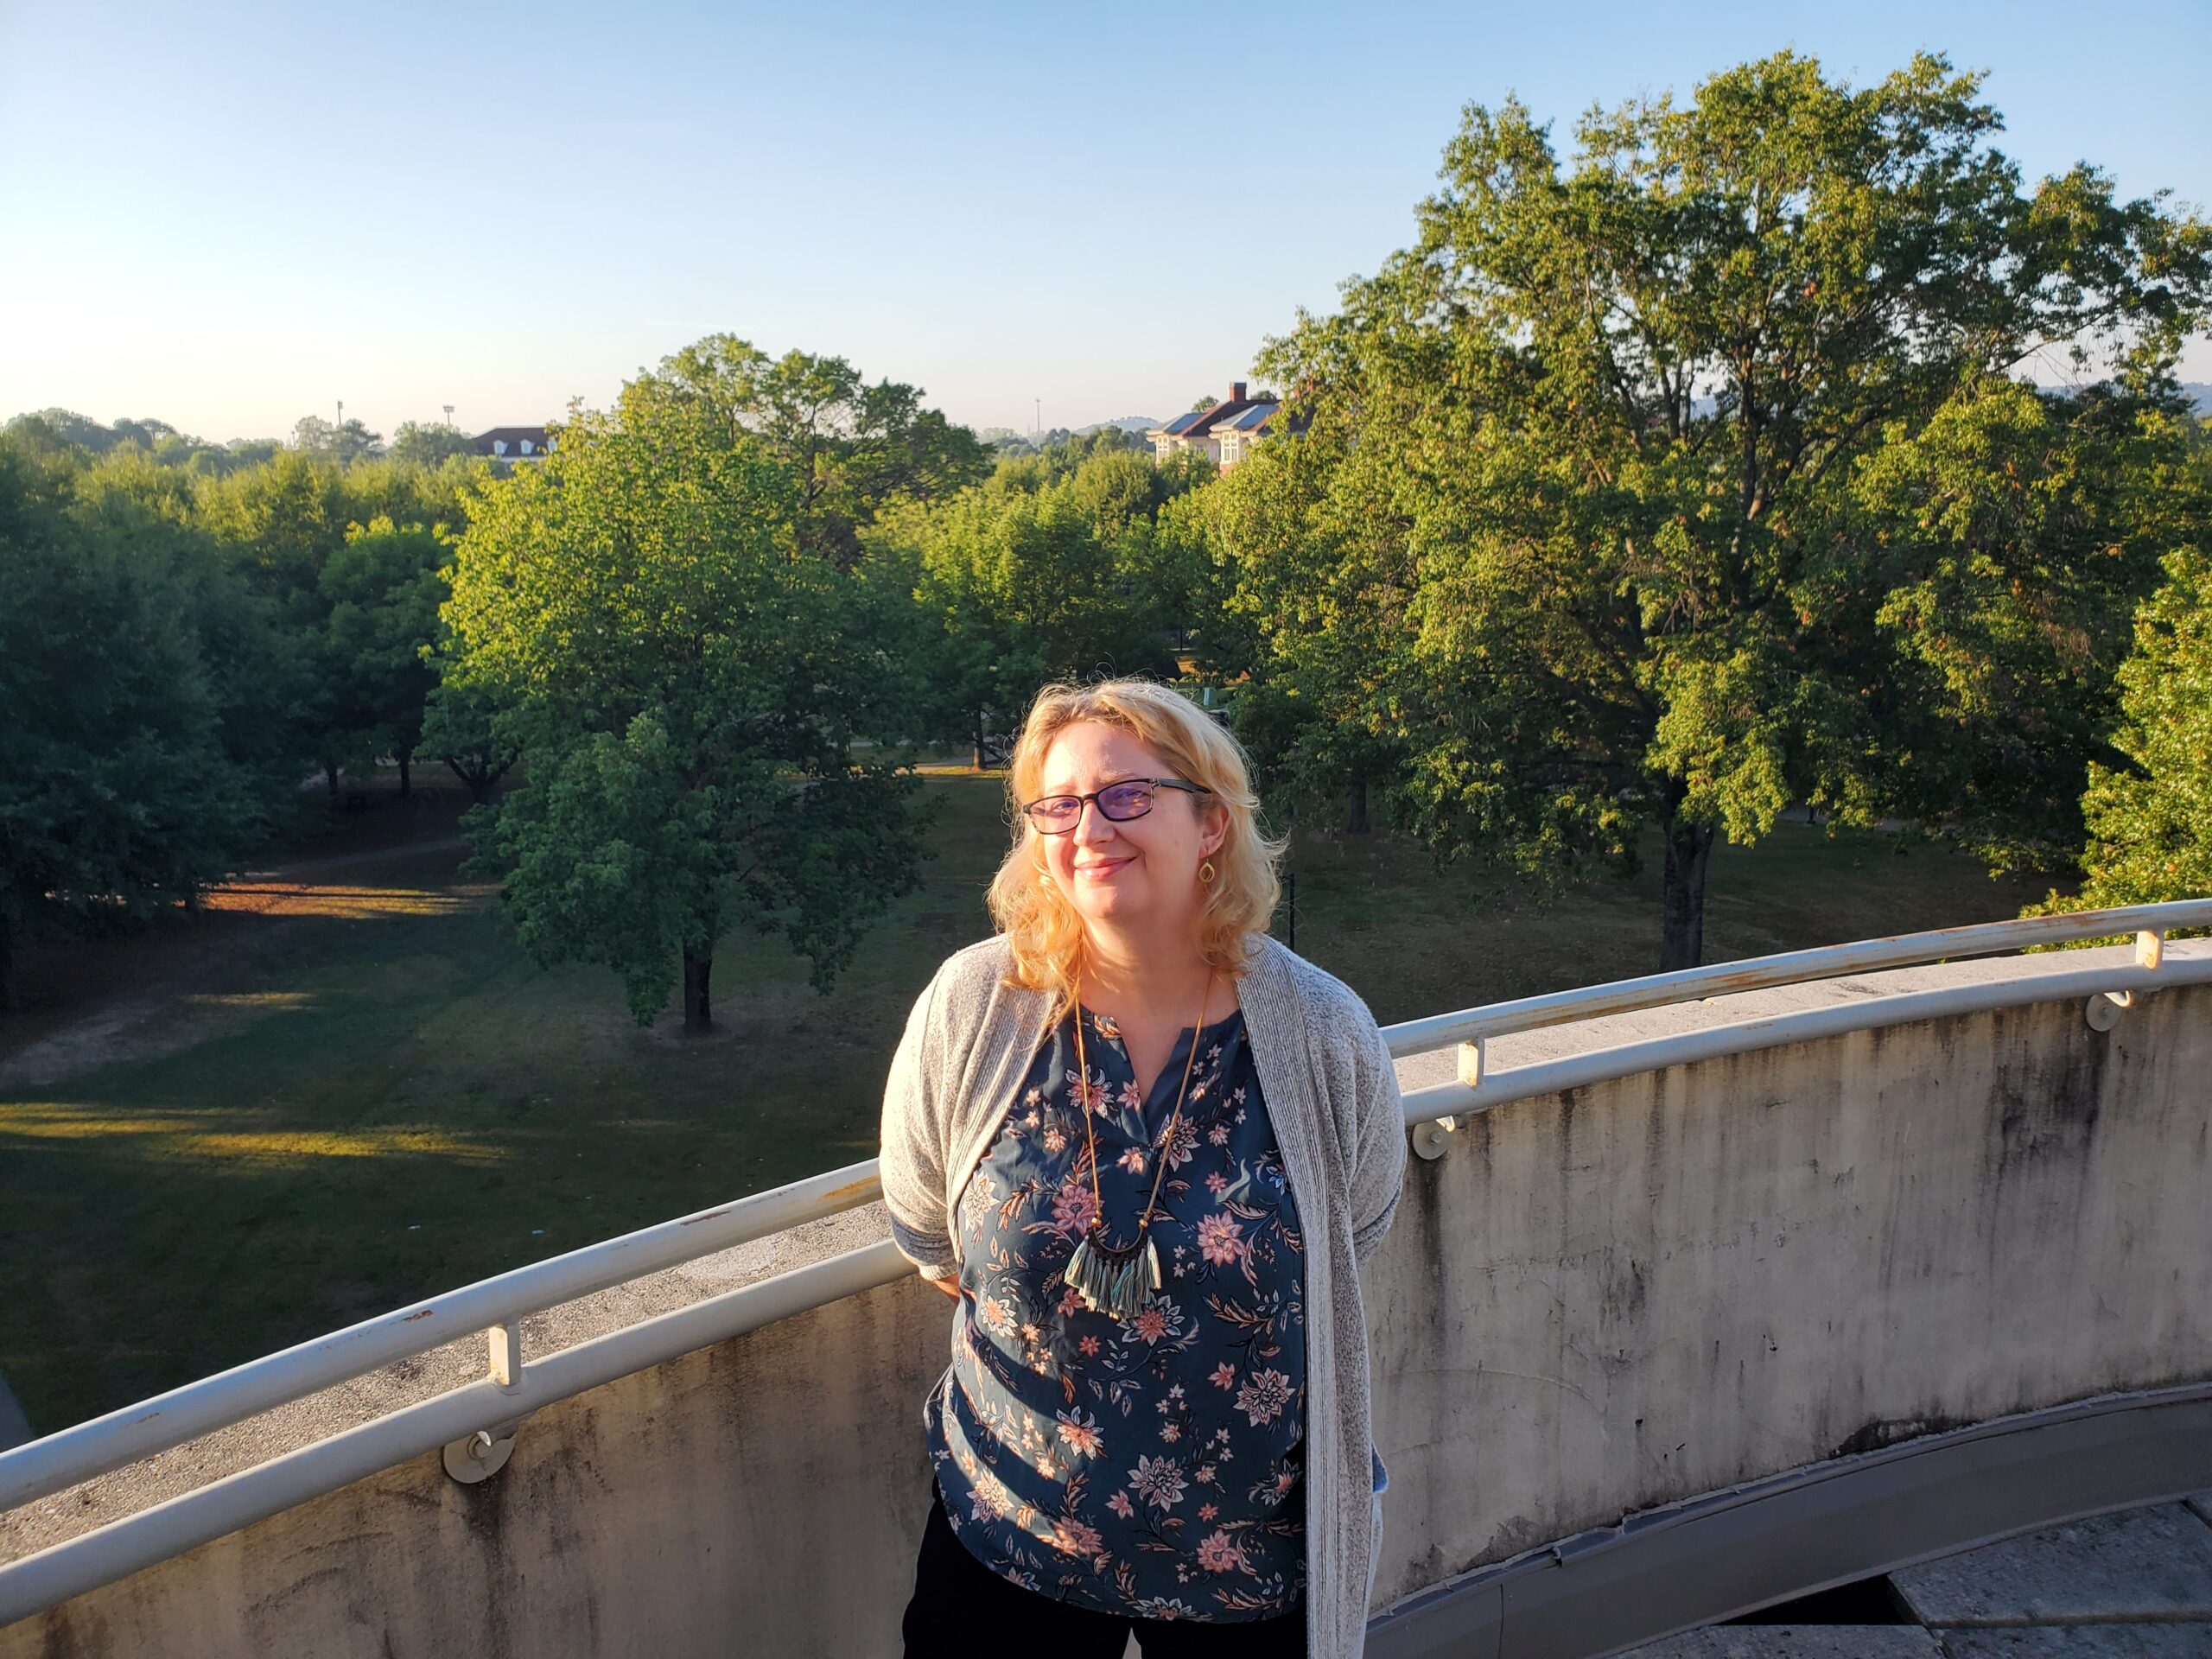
2150, 817
651, 621
850, 447
458, 727
1997, 555
127, 775
355, 606
420, 443
383, 587
1595, 469
1054, 569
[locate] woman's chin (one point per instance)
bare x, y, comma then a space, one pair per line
1106, 898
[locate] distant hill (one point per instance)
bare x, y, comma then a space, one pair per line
1127, 422
2199, 393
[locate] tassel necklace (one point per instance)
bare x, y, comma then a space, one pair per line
1115, 1279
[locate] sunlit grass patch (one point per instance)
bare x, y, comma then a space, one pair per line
338, 903
300, 1146
45, 1123
157, 1137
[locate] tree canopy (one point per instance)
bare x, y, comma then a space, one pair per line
1611, 480
849, 447
117, 792
2149, 818
658, 624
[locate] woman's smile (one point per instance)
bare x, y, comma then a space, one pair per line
1099, 868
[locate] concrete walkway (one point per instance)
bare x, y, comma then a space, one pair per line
2135, 1584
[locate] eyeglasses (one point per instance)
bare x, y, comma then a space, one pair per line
1055, 815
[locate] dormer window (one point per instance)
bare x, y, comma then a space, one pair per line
525, 446
499, 446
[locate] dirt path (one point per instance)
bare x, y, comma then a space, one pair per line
168, 992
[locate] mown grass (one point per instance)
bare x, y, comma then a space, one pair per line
378, 1097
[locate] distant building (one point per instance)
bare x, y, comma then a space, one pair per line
515, 443
1223, 433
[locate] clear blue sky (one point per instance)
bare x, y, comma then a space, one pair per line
229, 215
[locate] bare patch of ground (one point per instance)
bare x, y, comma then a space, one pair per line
98, 1001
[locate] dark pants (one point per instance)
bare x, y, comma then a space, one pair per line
962, 1608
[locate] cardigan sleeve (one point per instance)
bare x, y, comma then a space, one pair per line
1378, 1172
912, 1157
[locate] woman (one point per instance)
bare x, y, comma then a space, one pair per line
1138, 1142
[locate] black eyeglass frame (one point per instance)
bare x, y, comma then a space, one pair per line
1119, 783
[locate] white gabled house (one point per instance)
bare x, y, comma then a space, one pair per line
1223, 433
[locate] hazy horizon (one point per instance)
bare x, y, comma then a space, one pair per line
227, 222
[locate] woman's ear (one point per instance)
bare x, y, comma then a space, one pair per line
1214, 831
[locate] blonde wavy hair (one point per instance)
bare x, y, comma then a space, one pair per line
1044, 928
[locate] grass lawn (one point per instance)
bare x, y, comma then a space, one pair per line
363, 1092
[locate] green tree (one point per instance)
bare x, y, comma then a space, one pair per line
116, 796
430, 443
2149, 818
284, 524
1023, 584
688, 671
147, 511
1581, 462
1995, 556
459, 728
384, 587
851, 447
349, 440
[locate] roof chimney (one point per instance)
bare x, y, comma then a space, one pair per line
1236, 391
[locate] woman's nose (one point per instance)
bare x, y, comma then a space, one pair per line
1092, 824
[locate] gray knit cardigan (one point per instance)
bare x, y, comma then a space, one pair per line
1332, 1092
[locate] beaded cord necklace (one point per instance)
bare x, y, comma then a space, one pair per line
1115, 1279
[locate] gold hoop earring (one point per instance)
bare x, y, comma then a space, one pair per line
1206, 871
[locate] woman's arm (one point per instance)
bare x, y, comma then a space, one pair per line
911, 1162
1378, 1173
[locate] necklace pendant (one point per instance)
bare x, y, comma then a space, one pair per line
1113, 1282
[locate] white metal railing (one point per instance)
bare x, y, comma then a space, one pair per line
517, 1385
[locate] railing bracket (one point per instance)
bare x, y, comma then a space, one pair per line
2106, 1007
482, 1455
1432, 1139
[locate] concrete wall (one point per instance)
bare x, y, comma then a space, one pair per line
1597, 1302
1624, 1295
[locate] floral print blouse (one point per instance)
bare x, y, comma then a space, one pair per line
1149, 1467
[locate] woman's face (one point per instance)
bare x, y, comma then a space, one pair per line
1142, 871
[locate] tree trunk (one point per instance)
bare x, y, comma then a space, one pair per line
979, 740
330, 771
1356, 819
406, 780
1682, 940
698, 1016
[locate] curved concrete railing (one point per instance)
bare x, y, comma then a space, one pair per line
688, 1451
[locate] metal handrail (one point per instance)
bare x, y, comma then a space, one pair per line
1787, 968
1446, 1100
63, 1459
93, 1447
